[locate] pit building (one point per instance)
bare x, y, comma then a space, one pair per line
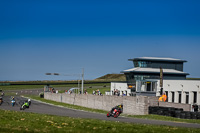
152, 75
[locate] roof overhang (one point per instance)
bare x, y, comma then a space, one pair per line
153, 71
157, 59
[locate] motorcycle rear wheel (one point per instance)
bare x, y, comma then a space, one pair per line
116, 114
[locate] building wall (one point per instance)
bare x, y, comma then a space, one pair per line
121, 87
172, 87
183, 87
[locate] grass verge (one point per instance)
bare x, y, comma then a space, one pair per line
18, 122
165, 118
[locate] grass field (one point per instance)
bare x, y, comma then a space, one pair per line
62, 87
18, 122
21, 87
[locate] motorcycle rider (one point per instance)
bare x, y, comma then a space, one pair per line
29, 101
24, 105
12, 98
118, 107
13, 101
1, 100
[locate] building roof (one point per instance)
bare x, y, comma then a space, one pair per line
153, 70
157, 59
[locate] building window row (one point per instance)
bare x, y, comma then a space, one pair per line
141, 63
181, 97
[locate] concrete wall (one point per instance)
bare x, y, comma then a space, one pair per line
132, 105
137, 105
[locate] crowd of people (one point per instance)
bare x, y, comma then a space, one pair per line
97, 92
117, 92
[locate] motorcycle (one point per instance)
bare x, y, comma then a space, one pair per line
1, 100
29, 102
24, 106
13, 102
114, 113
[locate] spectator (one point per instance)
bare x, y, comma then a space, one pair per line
93, 93
195, 107
114, 92
85, 92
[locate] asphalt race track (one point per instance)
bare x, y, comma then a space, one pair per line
43, 108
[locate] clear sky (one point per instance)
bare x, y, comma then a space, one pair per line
64, 36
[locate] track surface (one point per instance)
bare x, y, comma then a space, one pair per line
43, 108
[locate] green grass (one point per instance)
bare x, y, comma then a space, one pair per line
59, 86
165, 118
20, 87
53, 82
18, 122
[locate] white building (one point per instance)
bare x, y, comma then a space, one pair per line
144, 79
177, 91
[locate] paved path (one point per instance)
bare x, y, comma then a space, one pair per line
43, 108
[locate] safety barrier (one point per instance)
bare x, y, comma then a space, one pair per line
173, 112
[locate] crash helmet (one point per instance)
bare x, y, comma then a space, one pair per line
29, 100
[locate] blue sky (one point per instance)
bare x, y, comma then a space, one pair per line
40, 36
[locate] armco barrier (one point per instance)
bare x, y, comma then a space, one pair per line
132, 105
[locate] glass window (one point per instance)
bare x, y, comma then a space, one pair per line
195, 97
154, 86
173, 97
141, 77
141, 63
187, 97
136, 64
179, 97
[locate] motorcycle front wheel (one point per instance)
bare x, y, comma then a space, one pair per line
108, 115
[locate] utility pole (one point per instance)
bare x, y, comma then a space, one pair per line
82, 80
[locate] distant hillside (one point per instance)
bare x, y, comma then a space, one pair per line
119, 77
193, 78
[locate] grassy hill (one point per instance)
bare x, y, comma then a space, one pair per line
114, 77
